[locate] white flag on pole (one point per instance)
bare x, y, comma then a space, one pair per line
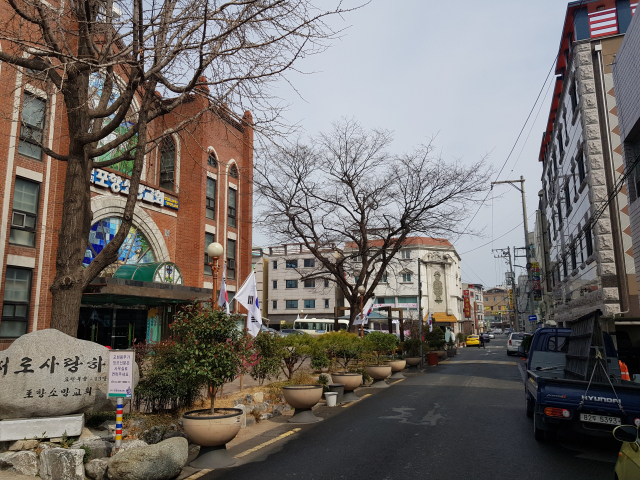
223, 297
248, 298
366, 311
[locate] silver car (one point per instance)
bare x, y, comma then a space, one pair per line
515, 339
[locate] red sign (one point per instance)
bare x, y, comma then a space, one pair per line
467, 307
465, 293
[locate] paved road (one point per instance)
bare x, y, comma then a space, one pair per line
457, 420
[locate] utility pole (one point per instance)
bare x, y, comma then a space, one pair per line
420, 317
526, 235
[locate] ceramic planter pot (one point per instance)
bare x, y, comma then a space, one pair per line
432, 359
413, 361
396, 367
212, 433
442, 354
302, 398
451, 352
351, 381
379, 373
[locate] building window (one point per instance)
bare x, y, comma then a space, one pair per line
167, 163
567, 197
486, 299
326, 303
32, 126
233, 200
17, 296
581, 171
309, 284
275, 304
291, 264
588, 241
291, 284
309, 304
211, 198
275, 264
574, 262
231, 259
326, 282
573, 94
24, 217
406, 277
275, 284
291, 304
406, 254
212, 161
309, 262
560, 142
233, 172
209, 238
385, 278
564, 266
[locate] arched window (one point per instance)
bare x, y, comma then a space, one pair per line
212, 160
134, 250
167, 163
234, 171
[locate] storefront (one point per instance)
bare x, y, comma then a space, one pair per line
136, 305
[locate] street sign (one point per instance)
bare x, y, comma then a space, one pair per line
282, 322
533, 318
121, 364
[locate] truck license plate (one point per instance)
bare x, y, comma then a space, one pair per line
586, 417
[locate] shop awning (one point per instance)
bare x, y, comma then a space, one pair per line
119, 291
158, 272
442, 317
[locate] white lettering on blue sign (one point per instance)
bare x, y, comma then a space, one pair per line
117, 184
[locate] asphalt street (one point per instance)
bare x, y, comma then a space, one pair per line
462, 419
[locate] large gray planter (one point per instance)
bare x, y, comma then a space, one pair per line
302, 398
351, 381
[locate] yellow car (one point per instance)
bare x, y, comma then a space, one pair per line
628, 464
473, 340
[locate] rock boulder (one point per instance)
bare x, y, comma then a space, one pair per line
162, 461
23, 463
97, 469
50, 373
62, 463
98, 447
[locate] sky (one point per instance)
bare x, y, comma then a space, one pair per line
466, 71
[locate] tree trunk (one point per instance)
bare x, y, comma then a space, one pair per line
69, 282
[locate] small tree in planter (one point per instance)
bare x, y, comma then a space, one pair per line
295, 350
436, 339
269, 348
381, 345
210, 349
344, 348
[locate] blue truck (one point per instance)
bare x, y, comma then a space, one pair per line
556, 403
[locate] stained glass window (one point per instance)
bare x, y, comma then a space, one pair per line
134, 249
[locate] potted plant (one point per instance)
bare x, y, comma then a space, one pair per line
211, 351
380, 345
397, 364
412, 351
451, 349
345, 350
462, 338
302, 398
436, 342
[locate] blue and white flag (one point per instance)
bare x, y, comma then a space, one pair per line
248, 298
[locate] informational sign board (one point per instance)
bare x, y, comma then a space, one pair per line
533, 318
121, 365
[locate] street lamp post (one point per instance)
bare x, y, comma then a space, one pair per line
361, 291
215, 251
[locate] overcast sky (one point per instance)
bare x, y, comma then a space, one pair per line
467, 71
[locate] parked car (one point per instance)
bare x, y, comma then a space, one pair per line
490, 335
289, 331
473, 341
515, 339
589, 407
264, 328
628, 464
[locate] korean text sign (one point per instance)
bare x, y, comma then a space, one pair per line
121, 365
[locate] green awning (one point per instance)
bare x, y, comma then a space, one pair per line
158, 272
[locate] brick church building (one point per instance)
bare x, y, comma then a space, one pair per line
196, 188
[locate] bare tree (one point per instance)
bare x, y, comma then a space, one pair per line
108, 58
344, 191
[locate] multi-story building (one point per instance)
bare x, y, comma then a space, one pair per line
588, 244
439, 266
497, 307
196, 188
290, 293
